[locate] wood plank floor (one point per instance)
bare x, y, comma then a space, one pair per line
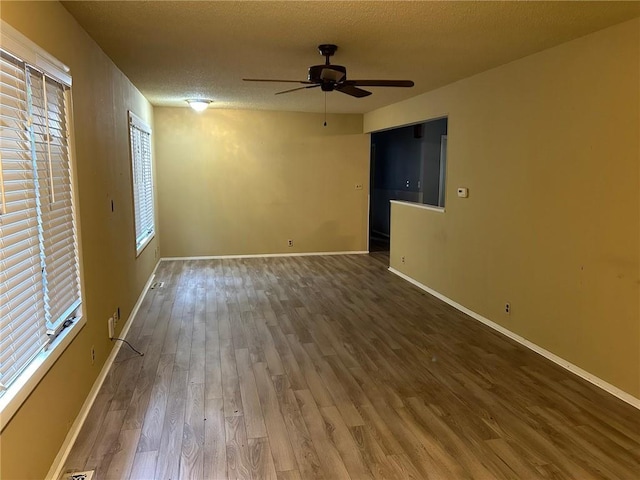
333, 368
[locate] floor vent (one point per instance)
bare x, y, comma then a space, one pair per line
157, 285
88, 475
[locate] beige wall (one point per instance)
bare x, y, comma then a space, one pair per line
112, 275
547, 145
244, 182
549, 148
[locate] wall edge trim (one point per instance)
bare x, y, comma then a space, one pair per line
58, 463
598, 382
264, 255
423, 206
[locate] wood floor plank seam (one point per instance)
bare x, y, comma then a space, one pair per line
333, 368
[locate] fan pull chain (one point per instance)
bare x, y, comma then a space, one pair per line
325, 107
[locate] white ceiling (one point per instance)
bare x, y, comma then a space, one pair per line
173, 50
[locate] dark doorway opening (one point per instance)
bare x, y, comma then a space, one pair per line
407, 164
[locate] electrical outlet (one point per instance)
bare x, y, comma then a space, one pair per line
93, 354
116, 316
290, 242
358, 186
402, 259
112, 327
507, 308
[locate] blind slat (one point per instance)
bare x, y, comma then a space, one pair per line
38, 248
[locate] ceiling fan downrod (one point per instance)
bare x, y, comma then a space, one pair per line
327, 50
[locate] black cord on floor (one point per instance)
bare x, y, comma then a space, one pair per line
130, 346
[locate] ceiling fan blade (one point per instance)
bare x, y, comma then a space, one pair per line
331, 74
353, 91
280, 81
380, 83
299, 88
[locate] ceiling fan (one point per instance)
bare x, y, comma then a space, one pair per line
334, 77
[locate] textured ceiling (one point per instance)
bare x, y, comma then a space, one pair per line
173, 50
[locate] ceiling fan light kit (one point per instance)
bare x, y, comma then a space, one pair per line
331, 77
199, 104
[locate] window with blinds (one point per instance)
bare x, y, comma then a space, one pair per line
39, 278
140, 140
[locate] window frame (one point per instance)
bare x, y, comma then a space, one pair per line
16, 44
141, 241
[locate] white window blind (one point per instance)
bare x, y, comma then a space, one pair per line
60, 260
140, 139
22, 320
39, 282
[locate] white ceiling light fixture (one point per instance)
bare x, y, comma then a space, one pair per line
199, 104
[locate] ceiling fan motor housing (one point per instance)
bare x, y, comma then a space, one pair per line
315, 72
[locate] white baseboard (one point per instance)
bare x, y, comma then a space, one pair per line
266, 255
613, 390
58, 464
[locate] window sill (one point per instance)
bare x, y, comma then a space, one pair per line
22, 387
419, 205
146, 241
